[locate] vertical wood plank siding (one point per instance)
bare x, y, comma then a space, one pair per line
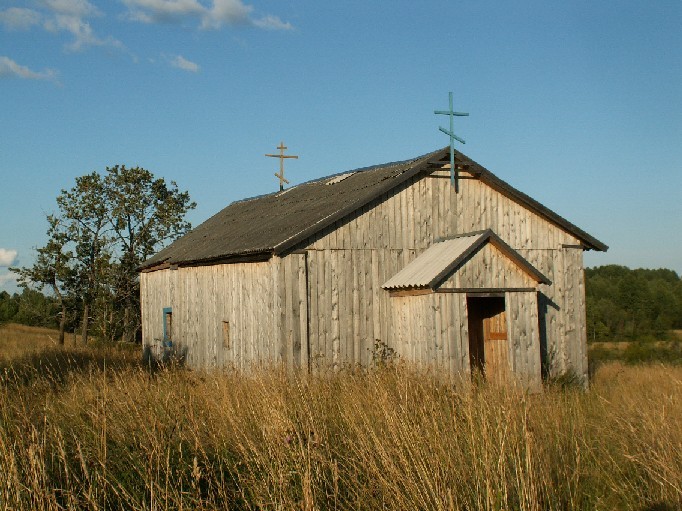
383, 237
326, 308
201, 298
524, 337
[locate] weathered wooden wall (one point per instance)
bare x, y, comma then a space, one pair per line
204, 297
290, 310
322, 305
524, 337
489, 268
432, 331
354, 256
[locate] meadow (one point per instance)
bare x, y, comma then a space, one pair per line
95, 428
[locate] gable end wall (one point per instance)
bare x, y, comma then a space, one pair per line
351, 314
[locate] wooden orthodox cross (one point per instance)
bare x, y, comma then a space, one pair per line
281, 157
454, 173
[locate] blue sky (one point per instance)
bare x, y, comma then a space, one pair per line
578, 104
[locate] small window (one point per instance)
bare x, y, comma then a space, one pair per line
226, 335
167, 324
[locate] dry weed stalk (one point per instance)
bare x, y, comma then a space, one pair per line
75, 436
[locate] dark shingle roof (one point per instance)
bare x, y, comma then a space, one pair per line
276, 222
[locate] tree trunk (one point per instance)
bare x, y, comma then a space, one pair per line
127, 325
84, 331
62, 324
62, 320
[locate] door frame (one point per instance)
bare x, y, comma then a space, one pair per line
479, 307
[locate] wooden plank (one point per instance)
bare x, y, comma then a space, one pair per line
410, 292
283, 306
420, 209
304, 352
313, 311
536, 362
246, 289
377, 298
392, 208
464, 331
290, 328
366, 298
486, 213
343, 316
449, 318
358, 271
380, 224
405, 231
560, 300
237, 321
582, 319
434, 319
334, 310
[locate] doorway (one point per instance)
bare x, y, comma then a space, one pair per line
488, 343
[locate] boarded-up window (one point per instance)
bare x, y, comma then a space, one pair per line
226, 335
167, 324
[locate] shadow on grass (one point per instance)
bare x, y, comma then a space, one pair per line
659, 506
55, 365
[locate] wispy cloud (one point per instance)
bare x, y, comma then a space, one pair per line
7, 257
7, 278
162, 11
68, 16
10, 69
213, 15
272, 23
16, 18
72, 16
186, 65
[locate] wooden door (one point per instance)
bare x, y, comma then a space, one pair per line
488, 340
495, 345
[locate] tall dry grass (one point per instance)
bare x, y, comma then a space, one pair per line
17, 340
105, 432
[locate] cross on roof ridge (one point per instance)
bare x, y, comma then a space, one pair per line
454, 173
281, 157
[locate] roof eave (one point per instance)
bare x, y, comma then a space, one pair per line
253, 255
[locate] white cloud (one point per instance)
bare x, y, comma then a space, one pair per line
7, 278
272, 23
75, 8
10, 69
69, 16
7, 257
80, 30
210, 16
164, 11
226, 12
16, 18
182, 63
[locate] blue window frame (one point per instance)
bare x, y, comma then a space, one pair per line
167, 323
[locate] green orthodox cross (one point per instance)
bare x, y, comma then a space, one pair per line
281, 157
454, 173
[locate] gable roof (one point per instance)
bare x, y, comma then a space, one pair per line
433, 265
278, 221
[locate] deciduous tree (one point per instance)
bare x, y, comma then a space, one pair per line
106, 225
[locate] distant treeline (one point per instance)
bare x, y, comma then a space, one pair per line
625, 304
31, 308
622, 304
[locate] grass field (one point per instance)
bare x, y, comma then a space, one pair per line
95, 429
